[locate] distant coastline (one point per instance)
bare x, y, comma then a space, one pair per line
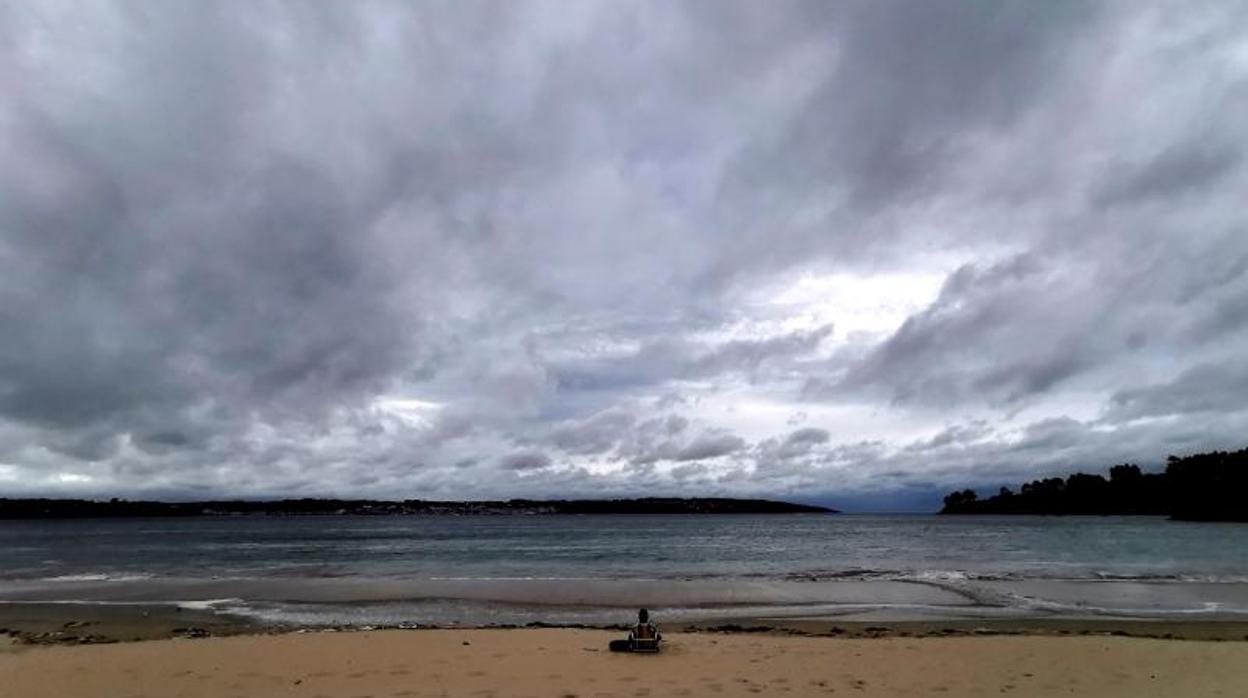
1202, 487
120, 508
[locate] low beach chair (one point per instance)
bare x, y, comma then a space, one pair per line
644, 638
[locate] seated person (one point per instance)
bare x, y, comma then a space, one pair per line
644, 637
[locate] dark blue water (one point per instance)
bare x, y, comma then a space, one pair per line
852, 563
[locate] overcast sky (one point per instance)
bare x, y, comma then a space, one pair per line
850, 252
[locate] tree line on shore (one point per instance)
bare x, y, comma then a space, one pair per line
1202, 487
117, 508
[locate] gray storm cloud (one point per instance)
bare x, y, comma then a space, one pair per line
547, 249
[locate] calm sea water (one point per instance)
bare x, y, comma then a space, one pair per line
511, 569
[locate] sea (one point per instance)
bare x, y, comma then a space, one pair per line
516, 570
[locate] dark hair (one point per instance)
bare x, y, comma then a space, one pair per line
643, 615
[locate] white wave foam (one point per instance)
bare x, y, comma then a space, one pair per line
209, 604
530, 579
1207, 608
98, 577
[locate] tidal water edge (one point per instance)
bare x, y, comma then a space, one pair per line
586, 569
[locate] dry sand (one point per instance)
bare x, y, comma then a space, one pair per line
567, 662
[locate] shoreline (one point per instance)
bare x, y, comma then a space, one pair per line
36, 624
876, 598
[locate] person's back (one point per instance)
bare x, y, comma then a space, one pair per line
645, 631
645, 635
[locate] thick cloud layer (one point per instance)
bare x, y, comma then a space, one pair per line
851, 251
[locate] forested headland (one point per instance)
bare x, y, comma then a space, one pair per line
1203, 487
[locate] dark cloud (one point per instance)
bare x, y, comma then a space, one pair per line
998, 333
897, 102
809, 435
1174, 172
670, 439
709, 446
1202, 388
525, 460
597, 434
912, 85
954, 434
521, 249
666, 359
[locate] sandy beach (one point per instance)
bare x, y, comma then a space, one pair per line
574, 662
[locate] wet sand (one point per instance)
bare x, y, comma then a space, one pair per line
72, 624
87, 623
574, 662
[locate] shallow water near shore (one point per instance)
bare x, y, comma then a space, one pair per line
588, 569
